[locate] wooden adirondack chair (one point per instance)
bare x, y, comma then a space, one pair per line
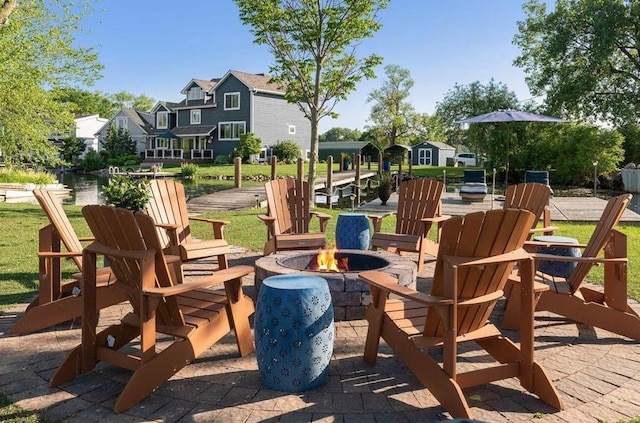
193, 316
477, 253
609, 309
419, 205
168, 207
57, 300
290, 216
533, 197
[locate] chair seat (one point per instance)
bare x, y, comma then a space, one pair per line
398, 241
308, 241
197, 249
473, 188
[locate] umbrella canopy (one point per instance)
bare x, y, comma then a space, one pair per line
507, 115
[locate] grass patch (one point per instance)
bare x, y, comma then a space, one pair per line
20, 176
10, 413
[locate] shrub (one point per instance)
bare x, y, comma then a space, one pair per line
249, 144
26, 177
287, 151
124, 161
127, 193
189, 170
222, 160
93, 161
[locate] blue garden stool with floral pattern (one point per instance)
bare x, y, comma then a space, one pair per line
294, 332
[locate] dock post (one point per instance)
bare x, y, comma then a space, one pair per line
357, 181
329, 187
274, 163
237, 162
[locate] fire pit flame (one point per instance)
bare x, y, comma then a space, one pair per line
326, 261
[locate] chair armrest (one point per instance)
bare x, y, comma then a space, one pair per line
324, 219
388, 283
217, 225
512, 256
217, 278
538, 244
597, 260
59, 254
436, 219
86, 238
376, 219
270, 221
545, 229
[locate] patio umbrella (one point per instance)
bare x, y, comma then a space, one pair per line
508, 115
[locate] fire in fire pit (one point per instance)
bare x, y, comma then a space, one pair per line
349, 293
328, 261
335, 261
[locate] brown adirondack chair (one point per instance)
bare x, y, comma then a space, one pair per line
289, 217
168, 207
533, 197
568, 297
419, 205
193, 316
477, 253
58, 300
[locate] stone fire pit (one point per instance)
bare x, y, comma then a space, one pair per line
349, 294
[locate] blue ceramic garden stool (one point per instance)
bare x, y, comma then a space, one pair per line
294, 332
353, 232
558, 268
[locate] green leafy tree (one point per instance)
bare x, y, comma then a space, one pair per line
7, 7
81, 102
38, 52
314, 44
126, 100
340, 134
631, 144
286, 151
475, 99
118, 143
249, 144
429, 128
583, 56
92, 161
71, 148
391, 113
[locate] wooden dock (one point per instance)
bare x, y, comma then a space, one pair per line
574, 209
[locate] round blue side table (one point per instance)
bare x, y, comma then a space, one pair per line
353, 231
294, 332
558, 268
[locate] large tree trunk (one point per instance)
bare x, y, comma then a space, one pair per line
7, 7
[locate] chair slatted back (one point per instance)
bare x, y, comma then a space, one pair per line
52, 207
603, 232
288, 201
168, 205
417, 199
121, 229
530, 196
478, 235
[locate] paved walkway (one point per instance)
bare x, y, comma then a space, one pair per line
597, 373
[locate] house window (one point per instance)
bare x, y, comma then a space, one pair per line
292, 129
162, 120
232, 101
162, 143
195, 93
231, 130
121, 122
195, 117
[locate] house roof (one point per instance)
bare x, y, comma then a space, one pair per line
255, 81
438, 144
193, 130
143, 119
205, 84
169, 105
341, 145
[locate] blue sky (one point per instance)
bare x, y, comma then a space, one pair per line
155, 47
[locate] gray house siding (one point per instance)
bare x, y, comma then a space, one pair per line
272, 117
135, 132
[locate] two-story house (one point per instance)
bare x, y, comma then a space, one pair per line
213, 114
140, 126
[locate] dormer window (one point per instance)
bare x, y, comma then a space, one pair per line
162, 120
121, 122
231, 101
195, 93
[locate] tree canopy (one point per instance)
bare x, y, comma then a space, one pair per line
38, 53
126, 100
314, 44
340, 134
584, 57
391, 113
81, 102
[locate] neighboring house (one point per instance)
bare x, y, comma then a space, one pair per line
212, 116
431, 153
86, 128
138, 124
